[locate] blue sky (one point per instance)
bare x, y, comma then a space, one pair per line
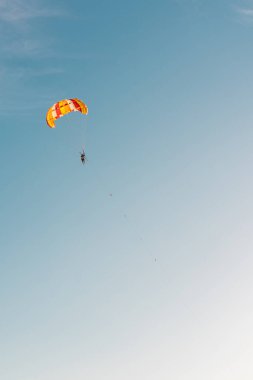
155, 281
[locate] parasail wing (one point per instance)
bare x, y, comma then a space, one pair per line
63, 107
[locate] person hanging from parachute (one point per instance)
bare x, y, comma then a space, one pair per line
63, 107
83, 157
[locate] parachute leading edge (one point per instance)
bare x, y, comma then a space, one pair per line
63, 107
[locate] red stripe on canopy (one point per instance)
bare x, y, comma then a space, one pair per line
77, 106
58, 110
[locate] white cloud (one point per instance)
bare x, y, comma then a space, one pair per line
245, 11
24, 43
29, 72
26, 47
15, 11
20, 37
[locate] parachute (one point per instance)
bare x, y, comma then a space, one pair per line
63, 107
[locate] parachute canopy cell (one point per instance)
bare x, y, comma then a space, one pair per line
63, 107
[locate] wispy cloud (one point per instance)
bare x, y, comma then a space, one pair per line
18, 11
30, 57
29, 72
19, 36
248, 12
24, 49
245, 10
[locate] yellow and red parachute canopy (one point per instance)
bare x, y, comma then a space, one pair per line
63, 107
